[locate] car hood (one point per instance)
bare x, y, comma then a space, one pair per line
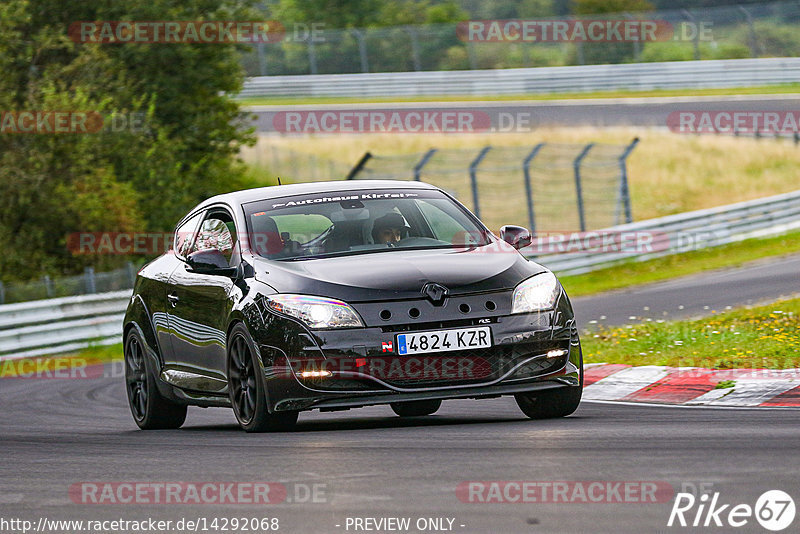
399, 274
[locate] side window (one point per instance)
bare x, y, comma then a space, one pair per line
217, 231
184, 235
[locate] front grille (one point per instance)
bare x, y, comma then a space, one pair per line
462, 367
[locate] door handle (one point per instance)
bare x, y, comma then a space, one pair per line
173, 300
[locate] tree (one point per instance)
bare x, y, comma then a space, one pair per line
130, 180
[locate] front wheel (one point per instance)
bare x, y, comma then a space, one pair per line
247, 389
149, 409
416, 408
549, 403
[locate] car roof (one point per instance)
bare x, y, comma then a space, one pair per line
276, 191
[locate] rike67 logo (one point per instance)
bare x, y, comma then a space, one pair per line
774, 510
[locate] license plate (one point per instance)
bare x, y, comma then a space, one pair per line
444, 340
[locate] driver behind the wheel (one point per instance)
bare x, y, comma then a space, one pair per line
389, 229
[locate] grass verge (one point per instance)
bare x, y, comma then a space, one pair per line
765, 337
634, 273
758, 90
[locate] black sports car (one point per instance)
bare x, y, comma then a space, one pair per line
345, 294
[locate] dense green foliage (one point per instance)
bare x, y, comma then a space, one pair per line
137, 179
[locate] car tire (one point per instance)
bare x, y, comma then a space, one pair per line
551, 403
149, 408
416, 408
247, 387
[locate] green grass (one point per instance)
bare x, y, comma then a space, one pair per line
636, 273
758, 90
766, 337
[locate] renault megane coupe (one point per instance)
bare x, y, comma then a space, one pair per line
339, 295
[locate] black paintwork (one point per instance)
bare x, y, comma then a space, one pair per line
185, 316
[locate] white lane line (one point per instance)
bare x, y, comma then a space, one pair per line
625, 382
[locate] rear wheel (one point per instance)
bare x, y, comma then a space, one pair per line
247, 388
416, 408
149, 409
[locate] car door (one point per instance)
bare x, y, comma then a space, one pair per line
159, 307
199, 305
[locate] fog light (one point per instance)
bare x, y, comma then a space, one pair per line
314, 374
555, 353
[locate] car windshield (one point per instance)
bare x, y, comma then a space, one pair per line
359, 222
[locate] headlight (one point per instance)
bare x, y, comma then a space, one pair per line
316, 312
537, 293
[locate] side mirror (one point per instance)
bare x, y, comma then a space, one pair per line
210, 261
516, 236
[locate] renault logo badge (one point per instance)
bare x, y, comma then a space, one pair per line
436, 293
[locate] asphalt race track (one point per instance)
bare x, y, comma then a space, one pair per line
648, 112
695, 295
368, 463
56, 433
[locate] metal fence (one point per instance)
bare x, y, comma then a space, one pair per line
87, 283
738, 31
685, 232
52, 326
547, 186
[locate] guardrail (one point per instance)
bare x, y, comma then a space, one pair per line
40, 327
53, 326
684, 232
632, 76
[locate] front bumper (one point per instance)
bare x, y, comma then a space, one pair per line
362, 368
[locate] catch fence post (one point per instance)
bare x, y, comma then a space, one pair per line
473, 178
526, 171
89, 280
412, 32
624, 192
312, 56
360, 165
576, 167
752, 37
262, 60
422, 163
696, 41
362, 49
48, 286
